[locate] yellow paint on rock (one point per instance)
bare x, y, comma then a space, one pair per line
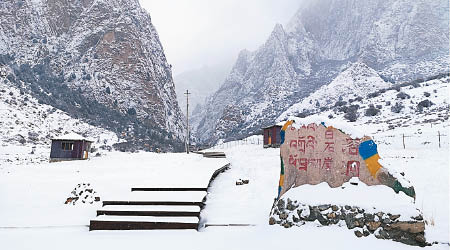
373, 165
287, 124
281, 180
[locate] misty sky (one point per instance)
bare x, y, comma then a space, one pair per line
196, 33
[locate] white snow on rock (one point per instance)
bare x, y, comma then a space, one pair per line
356, 81
378, 198
346, 127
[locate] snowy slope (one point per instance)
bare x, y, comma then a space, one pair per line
386, 101
357, 81
400, 40
101, 56
27, 126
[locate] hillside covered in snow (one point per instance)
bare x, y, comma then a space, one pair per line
400, 105
97, 60
397, 41
27, 127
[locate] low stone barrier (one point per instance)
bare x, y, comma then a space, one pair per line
288, 213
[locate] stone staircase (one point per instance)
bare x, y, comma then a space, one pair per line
154, 208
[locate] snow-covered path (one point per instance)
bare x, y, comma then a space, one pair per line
35, 195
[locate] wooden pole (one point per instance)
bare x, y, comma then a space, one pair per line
187, 121
439, 135
403, 141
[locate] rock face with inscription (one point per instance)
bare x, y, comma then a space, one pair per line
315, 153
318, 151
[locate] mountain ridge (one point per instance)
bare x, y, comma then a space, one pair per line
91, 57
323, 39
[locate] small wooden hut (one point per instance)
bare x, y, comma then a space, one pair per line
272, 136
70, 147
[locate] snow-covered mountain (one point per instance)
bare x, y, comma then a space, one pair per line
27, 127
201, 82
97, 60
395, 107
399, 40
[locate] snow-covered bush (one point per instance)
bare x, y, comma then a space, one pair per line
351, 113
397, 108
371, 111
403, 95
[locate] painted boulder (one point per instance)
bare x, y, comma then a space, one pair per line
315, 153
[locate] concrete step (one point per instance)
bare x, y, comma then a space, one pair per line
191, 196
178, 189
109, 222
152, 203
177, 211
147, 213
214, 154
152, 208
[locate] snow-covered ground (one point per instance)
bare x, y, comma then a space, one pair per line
32, 192
32, 199
34, 195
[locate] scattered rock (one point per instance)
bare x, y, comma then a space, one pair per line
84, 193
372, 225
369, 217
358, 234
394, 217
420, 238
272, 221
283, 216
382, 225
281, 204
419, 217
291, 206
324, 207
241, 182
287, 225
411, 227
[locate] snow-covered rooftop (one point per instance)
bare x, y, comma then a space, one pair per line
72, 137
276, 124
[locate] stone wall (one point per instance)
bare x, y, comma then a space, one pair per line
288, 213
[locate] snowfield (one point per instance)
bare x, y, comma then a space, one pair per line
32, 199
33, 191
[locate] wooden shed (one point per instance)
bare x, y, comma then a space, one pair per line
272, 136
70, 147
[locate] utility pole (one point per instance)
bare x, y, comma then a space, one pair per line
187, 121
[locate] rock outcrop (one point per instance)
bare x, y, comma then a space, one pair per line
97, 60
398, 40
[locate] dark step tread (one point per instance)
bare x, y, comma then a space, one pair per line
167, 189
148, 213
150, 203
133, 225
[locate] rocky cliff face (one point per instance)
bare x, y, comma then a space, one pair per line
98, 60
400, 40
